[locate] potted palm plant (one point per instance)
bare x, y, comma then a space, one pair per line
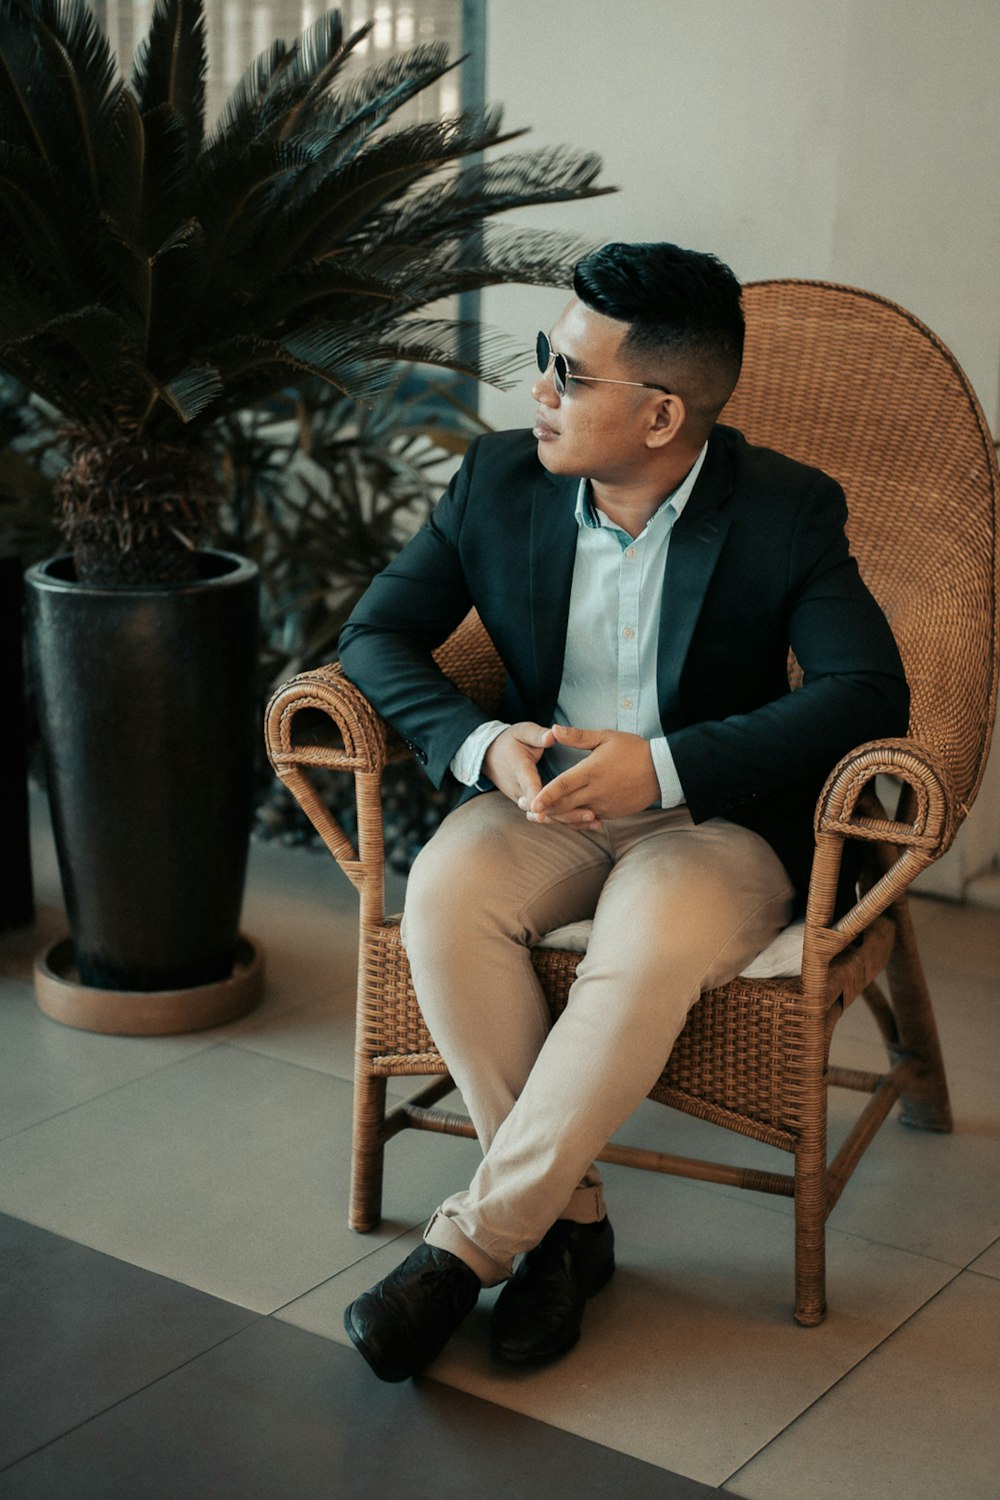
155, 279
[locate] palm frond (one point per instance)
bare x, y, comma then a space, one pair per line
90, 350
493, 255
22, 311
365, 103
319, 206
316, 59
235, 198
171, 66
83, 69
444, 344
127, 191
325, 208
240, 115
145, 277
48, 227
191, 392
252, 368
149, 197
166, 189
25, 97
340, 290
443, 209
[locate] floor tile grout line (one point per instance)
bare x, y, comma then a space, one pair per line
252, 1320
351, 1266
983, 1275
106, 1093
155, 1072
273, 1057
971, 1265
844, 1375
764, 1201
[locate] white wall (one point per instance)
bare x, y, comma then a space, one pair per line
918, 183
848, 140
856, 140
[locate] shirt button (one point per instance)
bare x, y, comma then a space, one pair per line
626, 703
629, 551
628, 632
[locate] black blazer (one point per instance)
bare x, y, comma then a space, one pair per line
758, 562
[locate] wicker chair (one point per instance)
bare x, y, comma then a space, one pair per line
854, 384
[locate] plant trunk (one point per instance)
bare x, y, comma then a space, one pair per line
147, 714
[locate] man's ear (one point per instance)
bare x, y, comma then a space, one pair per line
668, 420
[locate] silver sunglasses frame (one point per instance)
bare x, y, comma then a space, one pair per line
545, 356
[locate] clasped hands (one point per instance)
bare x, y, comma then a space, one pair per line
616, 776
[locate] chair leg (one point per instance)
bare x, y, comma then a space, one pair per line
810, 1228
924, 1106
367, 1152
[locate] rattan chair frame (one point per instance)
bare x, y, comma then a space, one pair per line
753, 1057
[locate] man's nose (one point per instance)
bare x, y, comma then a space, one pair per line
543, 391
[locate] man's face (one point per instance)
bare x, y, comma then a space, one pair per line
596, 431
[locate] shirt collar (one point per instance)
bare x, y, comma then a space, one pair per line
586, 511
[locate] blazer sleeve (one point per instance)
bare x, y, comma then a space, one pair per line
410, 607
853, 689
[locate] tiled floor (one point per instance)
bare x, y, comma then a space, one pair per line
176, 1262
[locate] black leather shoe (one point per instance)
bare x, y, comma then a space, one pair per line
404, 1322
538, 1314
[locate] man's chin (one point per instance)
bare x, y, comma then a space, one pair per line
549, 456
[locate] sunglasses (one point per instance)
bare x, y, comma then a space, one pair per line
562, 374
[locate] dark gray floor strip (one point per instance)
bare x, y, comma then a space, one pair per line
118, 1384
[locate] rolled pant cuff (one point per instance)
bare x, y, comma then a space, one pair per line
445, 1234
586, 1206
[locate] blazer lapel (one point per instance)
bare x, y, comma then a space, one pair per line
553, 550
695, 544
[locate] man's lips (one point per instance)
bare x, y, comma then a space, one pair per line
542, 431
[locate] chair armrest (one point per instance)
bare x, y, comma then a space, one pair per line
906, 844
321, 721
933, 812
319, 718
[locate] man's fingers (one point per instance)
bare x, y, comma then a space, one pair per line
563, 793
578, 739
582, 817
560, 807
539, 736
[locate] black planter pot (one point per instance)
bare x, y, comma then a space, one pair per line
147, 714
17, 902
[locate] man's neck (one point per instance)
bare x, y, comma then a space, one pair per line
630, 505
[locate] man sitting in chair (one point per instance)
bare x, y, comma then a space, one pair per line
642, 572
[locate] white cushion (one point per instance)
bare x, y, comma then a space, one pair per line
781, 959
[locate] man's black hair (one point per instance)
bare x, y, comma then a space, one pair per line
682, 307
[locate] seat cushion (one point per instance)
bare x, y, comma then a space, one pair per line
781, 959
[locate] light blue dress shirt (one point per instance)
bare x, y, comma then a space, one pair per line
609, 667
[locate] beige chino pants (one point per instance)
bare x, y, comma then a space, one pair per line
678, 908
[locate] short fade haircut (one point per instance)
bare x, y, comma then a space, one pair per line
684, 314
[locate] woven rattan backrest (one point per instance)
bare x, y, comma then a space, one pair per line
852, 383
470, 659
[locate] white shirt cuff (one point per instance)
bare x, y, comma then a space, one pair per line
467, 762
671, 791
